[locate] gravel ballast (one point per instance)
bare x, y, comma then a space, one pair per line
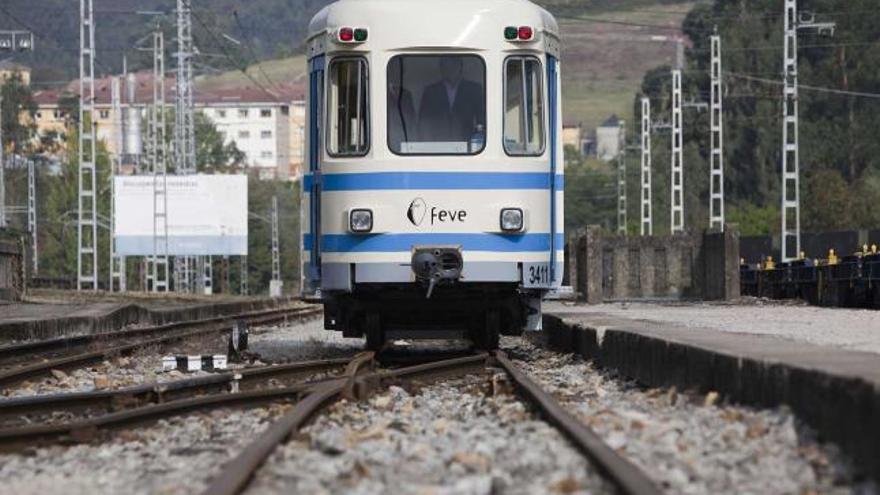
692, 444
466, 436
174, 456
456, 437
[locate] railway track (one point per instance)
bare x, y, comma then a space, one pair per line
272, 384
73, 352
110, 401
146, 403
237, 474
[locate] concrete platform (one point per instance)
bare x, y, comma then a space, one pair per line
49, 314
823, 363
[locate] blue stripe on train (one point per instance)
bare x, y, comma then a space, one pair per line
434, 180
393, 243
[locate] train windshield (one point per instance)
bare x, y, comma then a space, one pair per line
436, 104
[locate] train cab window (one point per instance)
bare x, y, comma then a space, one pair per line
348, 108
436, 105
523, 107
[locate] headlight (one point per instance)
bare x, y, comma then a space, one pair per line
360, 221
511, 220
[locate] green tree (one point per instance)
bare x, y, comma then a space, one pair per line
260, 233
828, 203
839, 151
212, 154
18, 111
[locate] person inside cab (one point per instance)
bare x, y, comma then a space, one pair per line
451, 109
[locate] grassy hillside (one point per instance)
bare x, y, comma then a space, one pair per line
603, 63
269, 73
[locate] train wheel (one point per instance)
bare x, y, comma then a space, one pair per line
486, 337
374, 332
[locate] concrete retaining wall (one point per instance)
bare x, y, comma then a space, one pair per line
836, 392
121, 316
12, 279
686, 266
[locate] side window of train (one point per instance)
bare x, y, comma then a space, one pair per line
348, 108
523, 107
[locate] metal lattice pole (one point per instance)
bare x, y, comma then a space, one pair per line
32, 215
677, 175
2, 172
206, 265
117, 272
791, 196
184, 129
716, 179
621, 179
276, 252
791, 201
647, 221
158, 163
87, 225
243, 287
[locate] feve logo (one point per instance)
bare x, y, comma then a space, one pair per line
416, 211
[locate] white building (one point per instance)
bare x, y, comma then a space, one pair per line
608, 139
257, 123
297, 139
268, 128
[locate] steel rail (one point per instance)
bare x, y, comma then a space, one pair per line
237, 473
624, 474
18, 374
83, 430
162, 392
78, 431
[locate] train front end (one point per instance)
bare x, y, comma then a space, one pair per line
433, 201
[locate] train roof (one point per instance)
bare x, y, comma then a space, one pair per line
413, 24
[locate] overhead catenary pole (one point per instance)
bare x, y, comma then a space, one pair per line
87, 225
243, 277
2, 172
676, 216
647, 221
791, 197
158, 164
621, 178
716, 129
185, 267
276, 253
32, 216
791, 200
184, 128
117, 264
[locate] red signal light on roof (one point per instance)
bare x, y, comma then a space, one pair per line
521, 33
352, 35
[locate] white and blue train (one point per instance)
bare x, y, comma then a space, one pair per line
433, 199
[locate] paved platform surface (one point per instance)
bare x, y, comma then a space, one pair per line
852, 329
823, 363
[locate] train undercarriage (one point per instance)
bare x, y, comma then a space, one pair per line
477, 312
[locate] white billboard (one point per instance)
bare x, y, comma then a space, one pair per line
207, 215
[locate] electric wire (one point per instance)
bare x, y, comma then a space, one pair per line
229, 57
